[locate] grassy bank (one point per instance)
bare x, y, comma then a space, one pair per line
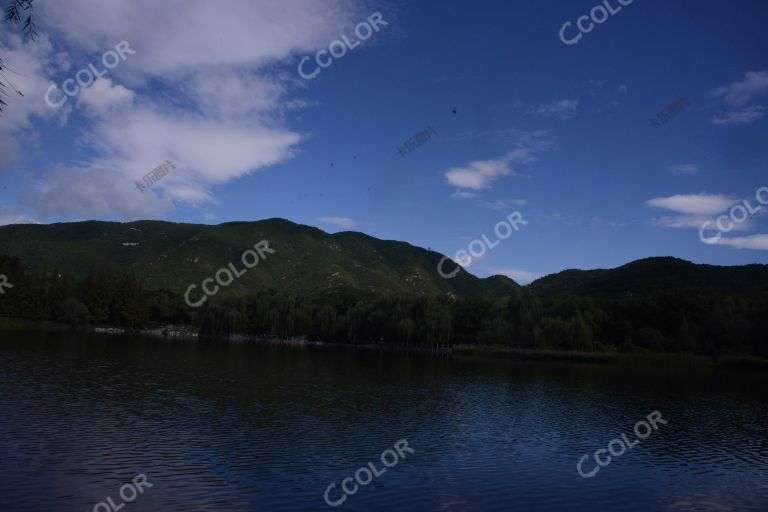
480, 351
21, 324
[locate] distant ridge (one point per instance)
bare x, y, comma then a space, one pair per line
167, 255
652, 274
172, 256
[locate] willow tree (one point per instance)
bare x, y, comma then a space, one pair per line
15, 12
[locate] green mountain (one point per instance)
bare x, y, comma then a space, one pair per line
307, 260
649, 275
317, 286
173, 256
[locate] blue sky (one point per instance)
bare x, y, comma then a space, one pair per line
523, 122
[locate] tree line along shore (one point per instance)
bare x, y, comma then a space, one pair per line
677, 321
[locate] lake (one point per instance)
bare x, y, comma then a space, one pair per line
95, 422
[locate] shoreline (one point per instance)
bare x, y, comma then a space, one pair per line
186, 332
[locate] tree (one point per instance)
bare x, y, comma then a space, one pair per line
74, 312
13, 15
406, 329
582, 334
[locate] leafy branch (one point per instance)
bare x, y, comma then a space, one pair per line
13, 15
17, 11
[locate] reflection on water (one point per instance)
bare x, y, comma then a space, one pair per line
241, 427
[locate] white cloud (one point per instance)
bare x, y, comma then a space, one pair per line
205, 88
686, 169
463, 194
737, 94
26, 69
206, 151
696, 204
745, 116
697, 221
339, 222
178, 36
563, 109
682, 221
9, 148
757, 242
503, 204
8, 216
695, 210
85, 193
521, 155
229, 94
481, 174
104, 96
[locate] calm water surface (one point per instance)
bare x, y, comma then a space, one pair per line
236, 428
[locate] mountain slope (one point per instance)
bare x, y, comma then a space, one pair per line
173, 256
652, 274
306, 260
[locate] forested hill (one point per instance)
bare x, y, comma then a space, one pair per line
170, 256
353, 288
651, 275
307, 260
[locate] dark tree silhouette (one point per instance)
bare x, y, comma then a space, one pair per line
705, 321
15, 12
